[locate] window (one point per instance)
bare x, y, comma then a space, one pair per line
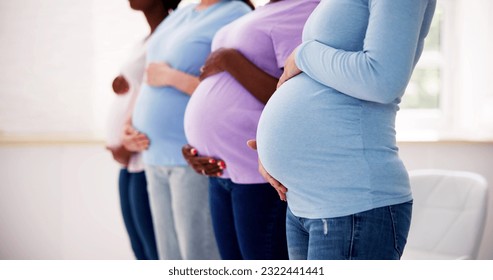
425, 88
449, 96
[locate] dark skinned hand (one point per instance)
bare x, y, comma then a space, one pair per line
120, 154
120, 85
215, 62
204, 165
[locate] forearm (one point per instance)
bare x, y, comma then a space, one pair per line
356, 74
183, 82
380, 71
256, 81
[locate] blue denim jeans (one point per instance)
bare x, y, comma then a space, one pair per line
134, 203
249, 220
377, 234
181, 215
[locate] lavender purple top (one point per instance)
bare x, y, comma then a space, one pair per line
221, 114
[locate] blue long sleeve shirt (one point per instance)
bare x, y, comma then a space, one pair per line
328, 134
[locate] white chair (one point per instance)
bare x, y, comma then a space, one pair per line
449, 214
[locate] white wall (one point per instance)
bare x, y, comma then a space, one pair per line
59, 58
60, 201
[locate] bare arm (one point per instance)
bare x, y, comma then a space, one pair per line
260, 84
161, 74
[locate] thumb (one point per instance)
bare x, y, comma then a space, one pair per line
252, 143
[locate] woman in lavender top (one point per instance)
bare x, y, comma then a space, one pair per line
237, 80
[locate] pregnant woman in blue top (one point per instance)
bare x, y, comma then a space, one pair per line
326, 138
178, 196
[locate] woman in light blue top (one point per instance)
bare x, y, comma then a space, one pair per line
178, 196
327, 136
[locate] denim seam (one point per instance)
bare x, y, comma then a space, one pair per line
392, 218
351, 243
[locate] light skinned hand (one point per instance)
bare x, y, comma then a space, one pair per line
204, 165
133, 140
290, 69
280, 188
158, 74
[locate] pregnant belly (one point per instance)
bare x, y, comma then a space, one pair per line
310, 125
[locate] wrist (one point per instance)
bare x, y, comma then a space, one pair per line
172, 77
227, 56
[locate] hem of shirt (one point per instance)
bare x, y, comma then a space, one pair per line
165, 163
135, 170
246, 181
322, 213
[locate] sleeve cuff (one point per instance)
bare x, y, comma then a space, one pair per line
299, 54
